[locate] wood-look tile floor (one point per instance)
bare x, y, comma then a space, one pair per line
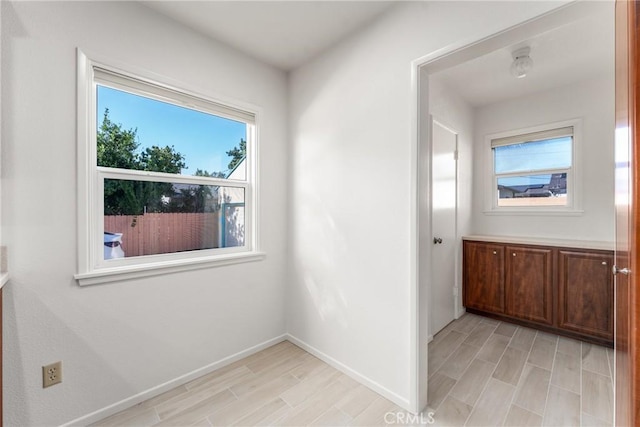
483, 372
281, 385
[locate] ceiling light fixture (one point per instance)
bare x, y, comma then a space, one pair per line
522, 63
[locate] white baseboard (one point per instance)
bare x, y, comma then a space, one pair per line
383, 391
155, 391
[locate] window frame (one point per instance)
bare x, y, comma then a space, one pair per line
574, 199
92, 268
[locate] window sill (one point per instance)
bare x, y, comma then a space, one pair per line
129, 272
536, 212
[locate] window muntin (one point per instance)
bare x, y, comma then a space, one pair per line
533, 170
237, 183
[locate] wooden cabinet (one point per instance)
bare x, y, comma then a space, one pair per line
585, 292
563, 290
485, 284
529, 279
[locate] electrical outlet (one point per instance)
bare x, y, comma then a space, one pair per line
51, 374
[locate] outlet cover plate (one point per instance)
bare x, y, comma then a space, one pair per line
51, 374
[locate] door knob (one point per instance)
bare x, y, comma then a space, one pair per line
624, 271
437, 240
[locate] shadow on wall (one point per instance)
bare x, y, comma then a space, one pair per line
327, 296
233, 225
14, 395
13, 363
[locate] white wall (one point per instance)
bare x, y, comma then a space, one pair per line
121, 339
593, 102
450, 109
351, 245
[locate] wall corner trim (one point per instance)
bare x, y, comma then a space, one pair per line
362, 379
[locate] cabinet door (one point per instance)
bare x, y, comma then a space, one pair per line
585, 292
484, 276
529, 284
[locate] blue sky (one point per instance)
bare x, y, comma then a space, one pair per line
546, 154
202, 138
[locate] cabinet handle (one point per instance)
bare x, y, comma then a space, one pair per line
514, 254
495, 252
604, 262
624, 271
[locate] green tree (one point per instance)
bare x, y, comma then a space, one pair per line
198, 198
118, 148
200, 172
237, 154
159, 159
165, 159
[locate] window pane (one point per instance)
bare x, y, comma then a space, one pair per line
533, 190
135, 132
529, 156
149, 218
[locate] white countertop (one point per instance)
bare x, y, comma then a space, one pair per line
578, 244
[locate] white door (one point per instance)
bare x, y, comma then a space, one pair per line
444, 144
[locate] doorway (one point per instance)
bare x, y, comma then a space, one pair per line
474, 177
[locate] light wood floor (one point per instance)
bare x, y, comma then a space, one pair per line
282, 385
482, 372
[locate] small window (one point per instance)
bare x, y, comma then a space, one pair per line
533, 169
170, 177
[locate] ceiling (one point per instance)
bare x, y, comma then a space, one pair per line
573, 52
284, 34
288, 33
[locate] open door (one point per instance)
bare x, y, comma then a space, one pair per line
444, 197
627, 189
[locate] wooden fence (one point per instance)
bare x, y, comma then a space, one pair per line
160, 233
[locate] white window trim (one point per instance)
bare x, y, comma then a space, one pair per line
574, 177
92, 269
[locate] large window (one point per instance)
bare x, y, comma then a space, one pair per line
534, 170
167, 177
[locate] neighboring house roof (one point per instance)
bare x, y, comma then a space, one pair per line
557, 185
240, 163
